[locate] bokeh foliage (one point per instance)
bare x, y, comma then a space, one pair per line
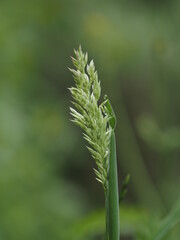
46, 179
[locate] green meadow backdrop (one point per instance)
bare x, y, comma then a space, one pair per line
47, 184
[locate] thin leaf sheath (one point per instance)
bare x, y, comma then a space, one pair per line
107, 212
113, 192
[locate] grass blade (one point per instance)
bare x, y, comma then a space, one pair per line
169, 222
113, 192
107, 213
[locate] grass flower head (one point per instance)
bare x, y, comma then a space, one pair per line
91, 116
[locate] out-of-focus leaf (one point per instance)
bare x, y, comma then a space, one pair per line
169, 222
131, 221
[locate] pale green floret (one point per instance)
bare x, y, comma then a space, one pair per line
89, 115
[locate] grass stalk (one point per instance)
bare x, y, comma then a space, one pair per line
107, 213
98, 122
114, 232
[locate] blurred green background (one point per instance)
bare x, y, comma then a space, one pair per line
47, 184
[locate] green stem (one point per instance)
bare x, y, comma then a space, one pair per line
114, 232
107, 212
